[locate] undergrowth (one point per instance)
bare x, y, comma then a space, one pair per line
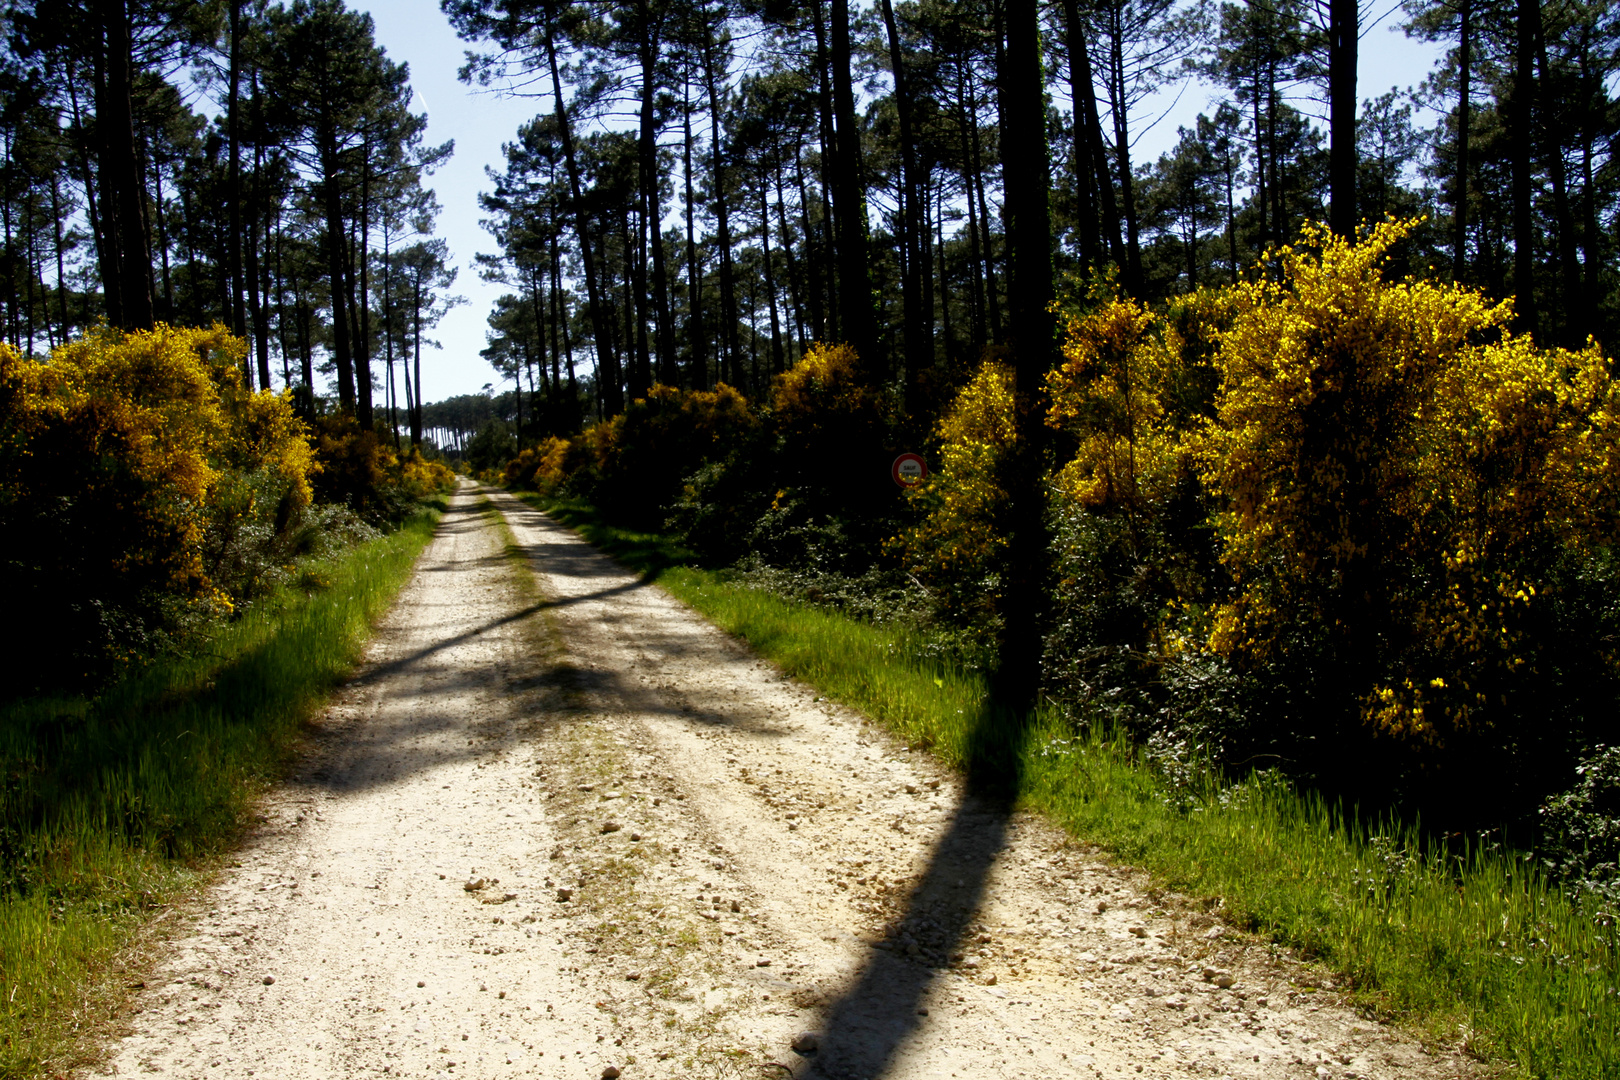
112, 807
1472, 947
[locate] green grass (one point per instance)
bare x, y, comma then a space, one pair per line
112, 808
1475, 948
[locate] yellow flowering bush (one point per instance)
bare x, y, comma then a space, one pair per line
1122, 367
633, 465
133, 470
957, 546
825, 387
1394, 466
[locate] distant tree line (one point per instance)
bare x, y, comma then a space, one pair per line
237, 161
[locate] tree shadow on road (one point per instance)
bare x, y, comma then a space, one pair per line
864, 1030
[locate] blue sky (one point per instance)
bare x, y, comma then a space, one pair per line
416, 32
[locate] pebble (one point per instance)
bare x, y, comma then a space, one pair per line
1139, 931
633, 976
611, 826
564, 895
269, 980
474, 886
805, 1042
420, 984
635, 836
610, 1073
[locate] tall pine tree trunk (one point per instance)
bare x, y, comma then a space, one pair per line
1459, 189
607, 360
1575, 318
233, 132
1521, 129
730, 363
1344, 30
335, 262
1024, 168
854, 281
652, 208
919, 326
122, 192
1080, 91
698, 362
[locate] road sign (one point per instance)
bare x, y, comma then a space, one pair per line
909, 470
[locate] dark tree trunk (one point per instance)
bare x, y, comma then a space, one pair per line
730, 363
163, 243
1522, 133
559, 317
992, 298
918, 327
1260, 191
1082, 90
1122, 155
607, 359
1344, 29
770, 276
1024, 169
122, 192
829, 163
1575, 318
101, 238
233, 134
1459, 189
652, 208
698, 363
416, 359
635, 258
854, 282
61, 271
944, 276
813, 246
362, 301
792, 262
335, 263
256, 307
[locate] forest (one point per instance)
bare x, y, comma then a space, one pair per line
1294, 448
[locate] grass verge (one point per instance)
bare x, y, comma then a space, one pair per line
1476, 948
111, 808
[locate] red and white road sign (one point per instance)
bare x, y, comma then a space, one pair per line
909, 470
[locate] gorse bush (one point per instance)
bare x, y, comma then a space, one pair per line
798, 481
140, 482
1360, 513
956, 547
1389, 461
360, 470
144, 491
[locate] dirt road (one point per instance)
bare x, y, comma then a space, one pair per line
560, 827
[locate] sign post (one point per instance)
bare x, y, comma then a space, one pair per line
909, 470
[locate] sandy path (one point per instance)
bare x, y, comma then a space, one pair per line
687, 860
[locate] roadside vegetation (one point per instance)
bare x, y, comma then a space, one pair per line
194, 567
1329, 611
